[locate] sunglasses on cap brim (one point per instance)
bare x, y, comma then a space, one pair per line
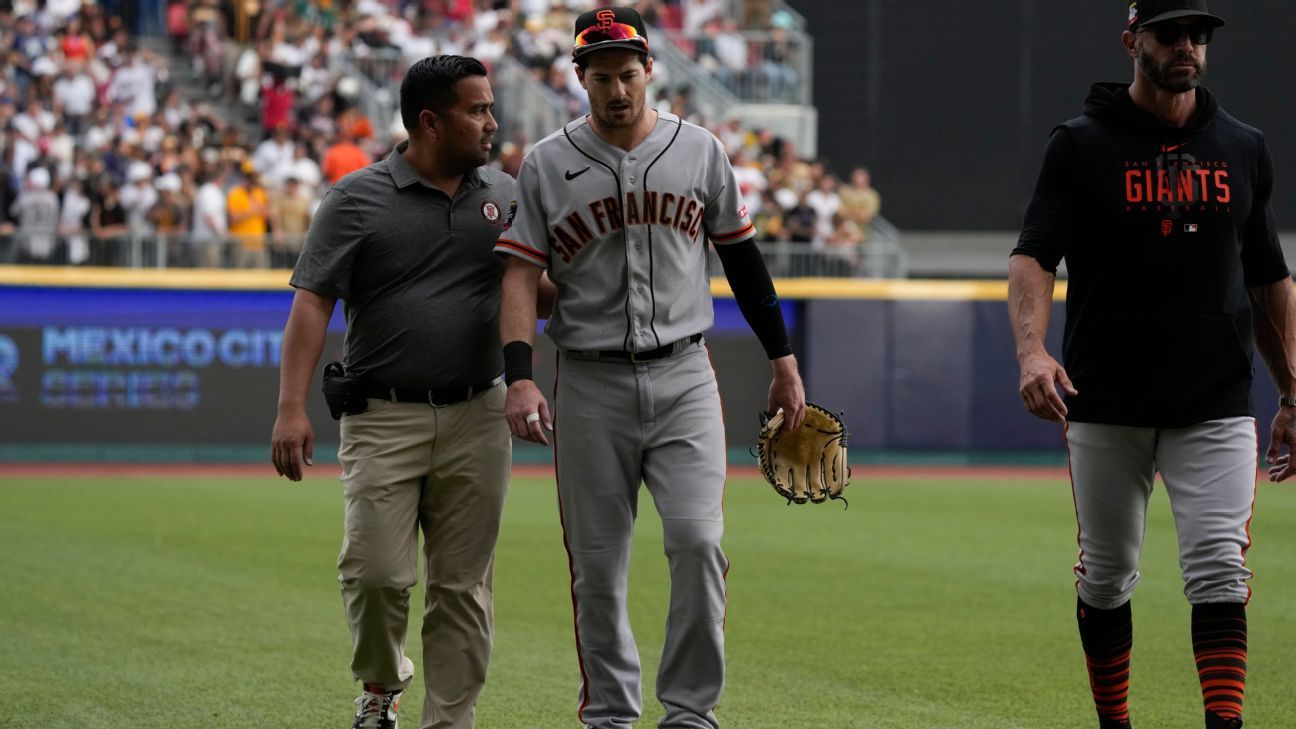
1168, 34
596, 34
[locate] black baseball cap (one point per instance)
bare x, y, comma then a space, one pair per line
1147, 12
609, 27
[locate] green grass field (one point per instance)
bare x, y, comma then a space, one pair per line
193, 603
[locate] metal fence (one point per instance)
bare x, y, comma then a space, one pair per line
762, 67
880, 257
524, 106
150, 250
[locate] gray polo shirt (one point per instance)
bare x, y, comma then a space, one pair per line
420, 285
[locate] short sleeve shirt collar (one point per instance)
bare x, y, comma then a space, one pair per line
404, 175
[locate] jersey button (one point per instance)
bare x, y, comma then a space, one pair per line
631, 179
638, 246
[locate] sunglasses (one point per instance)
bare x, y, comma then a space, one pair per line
1168, 34
611, 32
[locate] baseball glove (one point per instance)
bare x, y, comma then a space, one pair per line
809, 463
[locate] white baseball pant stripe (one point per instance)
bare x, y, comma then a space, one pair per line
1209, 471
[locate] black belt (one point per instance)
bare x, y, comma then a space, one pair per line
435, 398
666, 350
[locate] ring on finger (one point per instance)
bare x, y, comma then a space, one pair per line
532, 418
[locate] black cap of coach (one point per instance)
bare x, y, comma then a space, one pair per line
1147, 12
609, 27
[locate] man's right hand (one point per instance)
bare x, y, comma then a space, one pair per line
292, 444
1041, 376
527, 412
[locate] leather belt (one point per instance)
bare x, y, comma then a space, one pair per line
620, 355
436, 398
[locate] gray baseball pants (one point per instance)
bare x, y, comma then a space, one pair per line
1209, 470
618, 424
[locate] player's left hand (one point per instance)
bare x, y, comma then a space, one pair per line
1282, 433
787, 392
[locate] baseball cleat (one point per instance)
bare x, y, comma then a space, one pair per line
1215, 721
376, 710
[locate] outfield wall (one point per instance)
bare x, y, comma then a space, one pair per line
183, 366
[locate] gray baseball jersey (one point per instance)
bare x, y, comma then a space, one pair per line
623, 234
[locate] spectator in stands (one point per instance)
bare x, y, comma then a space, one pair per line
352, 121
800, 220
860, 203
248, 206
135, 82
175, 111
210, 226
274, 157
316, 79
10, 188
247, 76
769, 220
276, 103
28, 44
60, 148
207, 42
74, 97
169, 218
108, 223
732, 135
290, 214
751, 181
138, 197
75, 44
343, 158
825, 201
778, 64
74, 221
306, 169
730, 49
37, 212
842, 248
177, 25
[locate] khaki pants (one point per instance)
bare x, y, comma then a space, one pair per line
406, 467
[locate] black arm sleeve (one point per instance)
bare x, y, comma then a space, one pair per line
754, 291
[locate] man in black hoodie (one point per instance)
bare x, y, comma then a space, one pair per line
1159, 202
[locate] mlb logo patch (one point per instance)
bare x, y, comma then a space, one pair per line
1190, 227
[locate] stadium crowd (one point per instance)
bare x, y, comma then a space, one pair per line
213, 145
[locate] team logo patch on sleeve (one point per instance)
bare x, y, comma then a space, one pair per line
742, 212
512, 213
491, 211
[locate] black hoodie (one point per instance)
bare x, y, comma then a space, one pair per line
1163, 230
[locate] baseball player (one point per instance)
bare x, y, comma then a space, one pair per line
1159, 202
618, 207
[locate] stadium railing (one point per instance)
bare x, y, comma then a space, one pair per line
778, 68
523, 105
881, 256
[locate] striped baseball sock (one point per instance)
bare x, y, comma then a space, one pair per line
1107, 637
1219, 636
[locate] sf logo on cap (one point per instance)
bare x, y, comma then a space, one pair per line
605, 18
